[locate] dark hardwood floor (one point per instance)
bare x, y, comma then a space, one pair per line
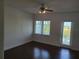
35, 50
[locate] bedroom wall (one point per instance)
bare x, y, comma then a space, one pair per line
1, 29
57, 20
17, 27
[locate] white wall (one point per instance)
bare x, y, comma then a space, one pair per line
17, 27
57, 20
1, 29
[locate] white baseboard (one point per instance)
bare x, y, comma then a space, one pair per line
7, 48
37, 41
56, 45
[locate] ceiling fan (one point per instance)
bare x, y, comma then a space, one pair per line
44, 9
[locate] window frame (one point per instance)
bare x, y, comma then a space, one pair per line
62, 25
42, 28
35, 28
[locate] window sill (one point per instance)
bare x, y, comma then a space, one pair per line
41, 35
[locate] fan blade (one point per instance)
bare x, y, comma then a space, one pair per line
49, 10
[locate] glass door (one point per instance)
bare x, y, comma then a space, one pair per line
66, 38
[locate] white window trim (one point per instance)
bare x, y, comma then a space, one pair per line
62, 35
41, 28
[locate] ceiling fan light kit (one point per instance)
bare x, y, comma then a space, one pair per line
42, 12
44, 9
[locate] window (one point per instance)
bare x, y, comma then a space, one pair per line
66, 33
46, 27
38, 27
42, 27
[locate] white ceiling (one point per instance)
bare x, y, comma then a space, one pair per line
57, 5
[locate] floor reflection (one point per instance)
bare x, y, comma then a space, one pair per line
41, 54
37, 53
64, 54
